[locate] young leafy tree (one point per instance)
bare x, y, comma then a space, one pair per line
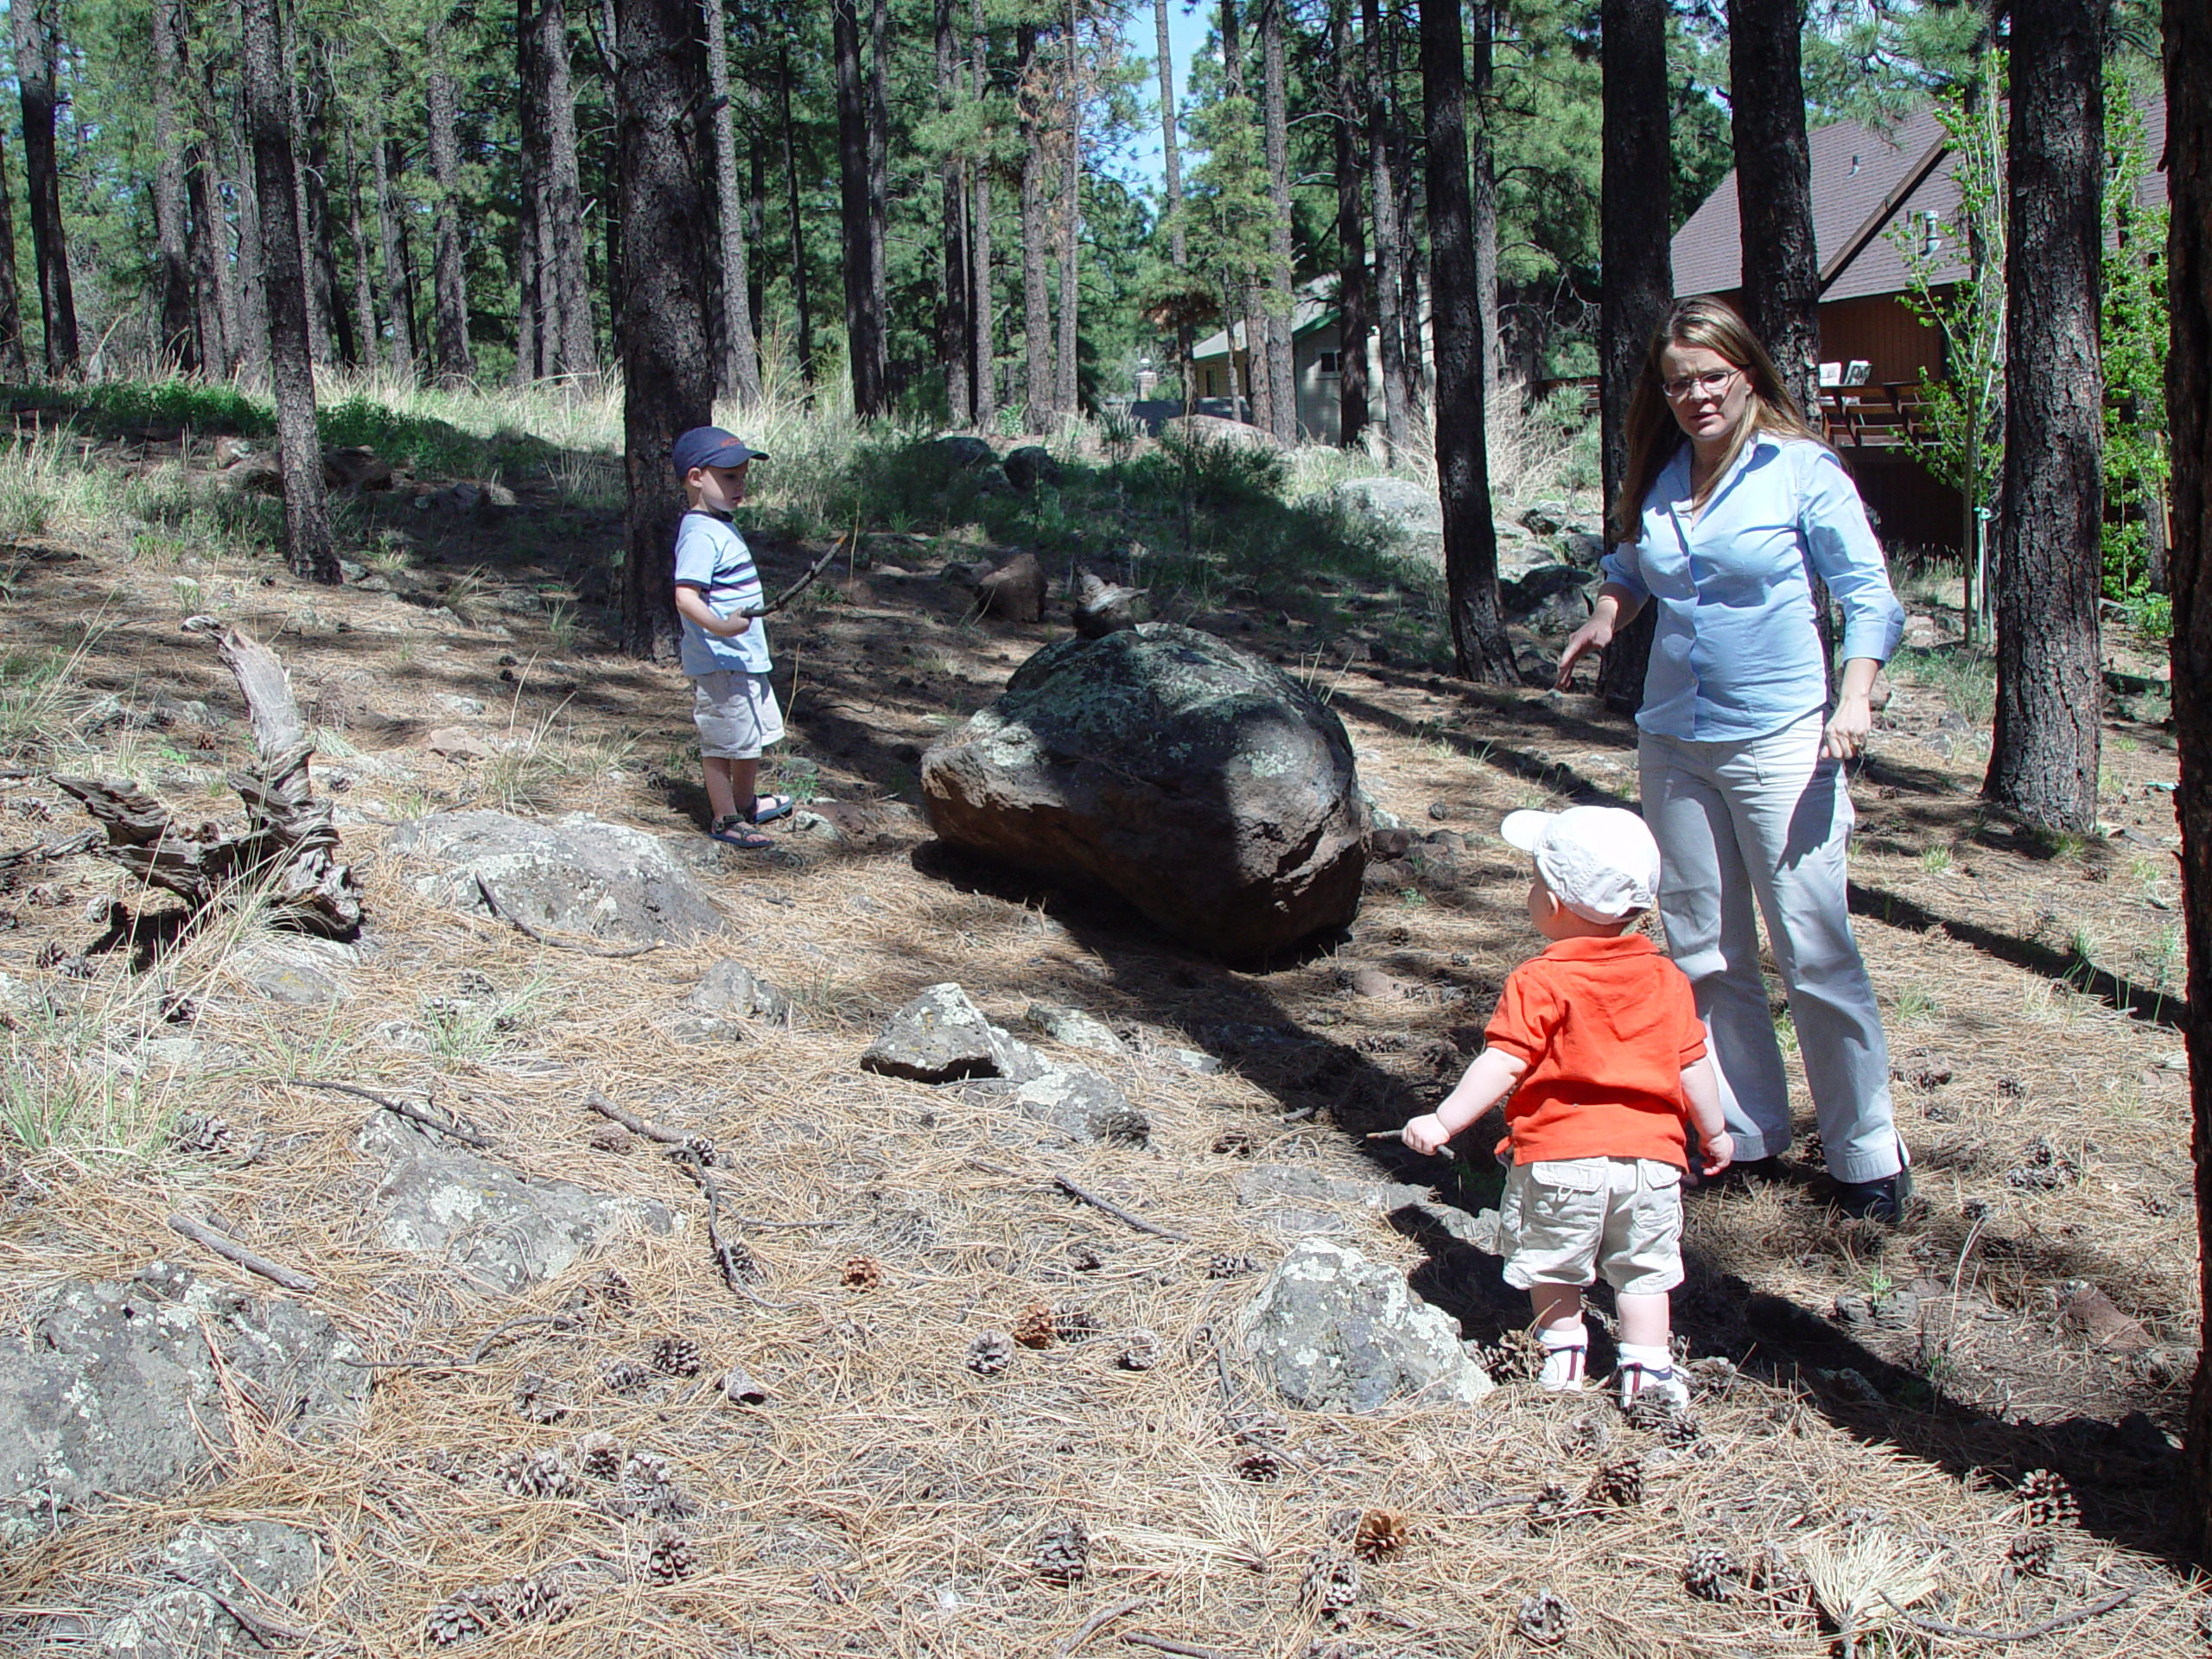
269, 106
2046, 745
668, 381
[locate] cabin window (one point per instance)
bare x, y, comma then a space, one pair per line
1329, 362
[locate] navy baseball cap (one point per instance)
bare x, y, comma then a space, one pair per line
709, 446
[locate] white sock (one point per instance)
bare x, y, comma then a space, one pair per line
1657, 1360
1566, 1346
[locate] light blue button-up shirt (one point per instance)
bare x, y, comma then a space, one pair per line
1736, 654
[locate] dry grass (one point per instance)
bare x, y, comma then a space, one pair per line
888, 1501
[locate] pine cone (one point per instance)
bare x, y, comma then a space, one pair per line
1657, 1414
541, 1600
1085, 1258
2046, 1500
1551, 1504
624, 1376
2031, 1554
862, 1272
1518, 1357
1139, 1350
650, 1489
670, 1557
991, 1352
203, 1133
1331, 1582
1618, 1486
1256, 1463
1126, 1127
1223, 1265
678, 1356
1034, 1328
1063, 1554
1777, 1577
600, 1456
539, 1399
1587, 1436
1073, 1324
545, 1473
1544, 1619
452, 1623
695, 1148
1380, 1532
1708, 1573
612, 1291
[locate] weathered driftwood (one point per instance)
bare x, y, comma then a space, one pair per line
286, 853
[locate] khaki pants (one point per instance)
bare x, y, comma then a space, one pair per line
1564, 1223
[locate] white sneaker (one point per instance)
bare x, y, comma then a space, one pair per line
1563, 1366
1641, 1381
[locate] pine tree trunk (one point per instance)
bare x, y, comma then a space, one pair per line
533, 323
756, 212
1282, 377
1066, 395
1354, 327
668, 382
876, 101
252, 290
14, 369
222, 348
307, 546
1774, 190
956, 344
564, 282
1480, 35
1480, 650
1250, 292
1638, 265
177, 346
864, 326
2188, 414
364, 294
36, 24
799, 302
1178, 254
398, 295
1036, 302
449, 273
1388, 260
2044, 747
982, 319
333, 330
740, 365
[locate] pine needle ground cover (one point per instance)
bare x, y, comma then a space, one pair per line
973, 1416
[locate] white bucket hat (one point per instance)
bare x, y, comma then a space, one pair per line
1599, 861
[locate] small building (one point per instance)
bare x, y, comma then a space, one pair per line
1317, 348
1872, 187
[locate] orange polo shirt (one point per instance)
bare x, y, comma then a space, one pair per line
1605, 1027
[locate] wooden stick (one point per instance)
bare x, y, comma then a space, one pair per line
2079, 1616
231, 1250
1166, 1646
1095, 1623
565, 1321
802, 584
397, 1109
516, 922
1128, 1217
596, 1102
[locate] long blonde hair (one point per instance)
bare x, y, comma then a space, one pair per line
1654, 435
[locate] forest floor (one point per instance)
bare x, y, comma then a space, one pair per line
1886, 1389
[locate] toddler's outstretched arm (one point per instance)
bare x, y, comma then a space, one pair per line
1701, 1088
1488, 1080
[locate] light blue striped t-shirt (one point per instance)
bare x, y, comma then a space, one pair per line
1736, 653
713, 557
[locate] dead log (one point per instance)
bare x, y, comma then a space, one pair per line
285, 856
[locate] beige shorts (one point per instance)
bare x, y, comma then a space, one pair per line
735, 713
1561, 1223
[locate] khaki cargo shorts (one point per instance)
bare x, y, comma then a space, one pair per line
1561, 1223
735, 713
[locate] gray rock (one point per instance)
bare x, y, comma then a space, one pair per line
1207, 788
1212, 428
695, 1029
1190, 1059
453, 704
1330, 1330
1410, 513
1551, 599
276, 1560
1074, 1028
500, 1231
1030, 466
731, 988
1581, 547
941, 1037
578, 875
1545, 518
304, 972
111, 1388
962, 453
176, 1623
1083, 1104
1015, 591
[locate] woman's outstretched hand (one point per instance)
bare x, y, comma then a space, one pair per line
1594, 635
1845, 734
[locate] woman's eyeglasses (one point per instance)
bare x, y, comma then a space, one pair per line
1711, 384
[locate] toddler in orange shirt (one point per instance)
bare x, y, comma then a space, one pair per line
1599, 1043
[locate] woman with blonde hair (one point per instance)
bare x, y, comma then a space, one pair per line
1731, 507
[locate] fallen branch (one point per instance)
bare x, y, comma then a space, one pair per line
802, 584
1126, 1218
563, 1321
1097, 1622
231, 1250
397, 1109
264, 1632
492, 904
1165, 1646
596, 1102
2063, 1621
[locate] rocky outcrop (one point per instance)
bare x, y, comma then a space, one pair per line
1212, 428
1405, 512
119, 1389
1207, 788
1551, 598
1330, 1330
500, 1232
1015, 591
1030, 466
579, 875
731, 988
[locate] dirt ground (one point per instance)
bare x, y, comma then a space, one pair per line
1864, 1389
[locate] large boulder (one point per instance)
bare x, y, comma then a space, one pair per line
1330, 1330
1551, 599
501, 1231
117, 1388
1015, 591
1410, 513
1212, 428
1208, 789
579, 875
1030, 466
